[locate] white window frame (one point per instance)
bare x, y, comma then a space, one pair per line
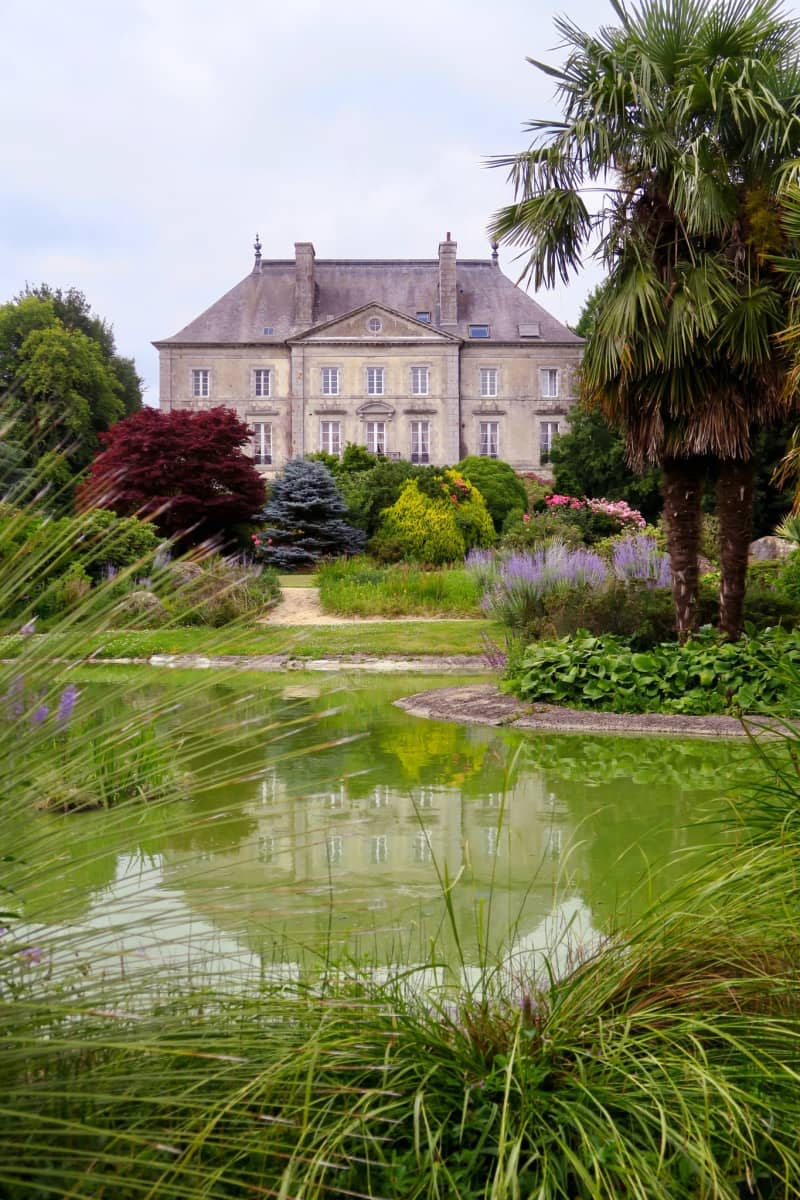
420, 381
548, 379
489, 439
330, 381
201, 382
262, 443
421, 848
376, 381
334, 849
547, 431
375, 436
262, 382
420, 441
379, 849
488, 381
330, 437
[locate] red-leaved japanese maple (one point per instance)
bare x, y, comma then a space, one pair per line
186, 470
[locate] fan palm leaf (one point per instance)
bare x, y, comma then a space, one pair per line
680, 128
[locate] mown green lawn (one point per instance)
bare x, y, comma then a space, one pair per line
308, 641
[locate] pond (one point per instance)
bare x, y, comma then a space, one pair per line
348, 831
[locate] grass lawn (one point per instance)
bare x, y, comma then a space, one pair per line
327, 641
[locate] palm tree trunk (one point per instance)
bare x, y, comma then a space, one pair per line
735, 512
683, 489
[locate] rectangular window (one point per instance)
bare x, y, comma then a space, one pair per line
261, 381
379, 849
420, 441
548, 383
376, 437
334, 849
420, 381
479, 331
374, 381
421, 849
330, 381
490, 438
488, 381
201, 382
262, 443
330, 437
548, 430
424, 316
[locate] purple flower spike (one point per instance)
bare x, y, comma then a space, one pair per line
66, 704
39, 715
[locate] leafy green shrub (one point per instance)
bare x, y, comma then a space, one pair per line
436, 519
532, 530
643, 615
104, 540
788, 576
703, 676
497, 482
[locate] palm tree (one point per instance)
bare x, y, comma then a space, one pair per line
679, 127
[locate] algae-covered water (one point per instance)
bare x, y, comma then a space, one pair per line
349, 831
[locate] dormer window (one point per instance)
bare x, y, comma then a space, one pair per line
479, 331
423, 316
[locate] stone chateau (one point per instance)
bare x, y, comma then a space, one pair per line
425, 359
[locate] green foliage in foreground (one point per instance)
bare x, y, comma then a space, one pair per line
357, 587
758, 674
664, 1066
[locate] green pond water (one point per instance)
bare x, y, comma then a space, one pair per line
349, 830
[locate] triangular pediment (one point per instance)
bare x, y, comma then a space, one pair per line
374, 324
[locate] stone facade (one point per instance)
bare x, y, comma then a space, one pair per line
423, 359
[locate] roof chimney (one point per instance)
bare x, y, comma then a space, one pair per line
448, 291
303, 284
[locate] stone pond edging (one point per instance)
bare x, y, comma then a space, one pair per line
485, 704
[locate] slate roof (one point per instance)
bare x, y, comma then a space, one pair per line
266, 299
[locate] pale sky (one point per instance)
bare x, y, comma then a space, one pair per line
145, 141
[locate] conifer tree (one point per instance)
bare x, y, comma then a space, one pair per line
304, 518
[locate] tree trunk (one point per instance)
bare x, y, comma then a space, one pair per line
683, 489
735, 512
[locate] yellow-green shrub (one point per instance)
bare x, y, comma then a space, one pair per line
436, 520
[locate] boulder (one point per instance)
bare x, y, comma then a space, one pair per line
770, 548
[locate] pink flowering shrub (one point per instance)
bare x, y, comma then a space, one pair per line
619, 510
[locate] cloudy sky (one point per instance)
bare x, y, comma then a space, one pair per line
145, 141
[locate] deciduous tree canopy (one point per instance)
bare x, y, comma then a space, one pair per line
186, 470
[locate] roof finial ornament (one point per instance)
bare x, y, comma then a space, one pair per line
495, 246
257, 248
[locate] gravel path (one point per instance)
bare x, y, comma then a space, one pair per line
301, 606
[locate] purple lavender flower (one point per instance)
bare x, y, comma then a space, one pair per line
39, 715
638, 557
65, 705
28, 628
32, 955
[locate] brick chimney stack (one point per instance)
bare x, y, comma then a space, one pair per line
304, 284
448, 291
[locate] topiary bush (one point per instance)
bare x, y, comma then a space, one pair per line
499, 485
